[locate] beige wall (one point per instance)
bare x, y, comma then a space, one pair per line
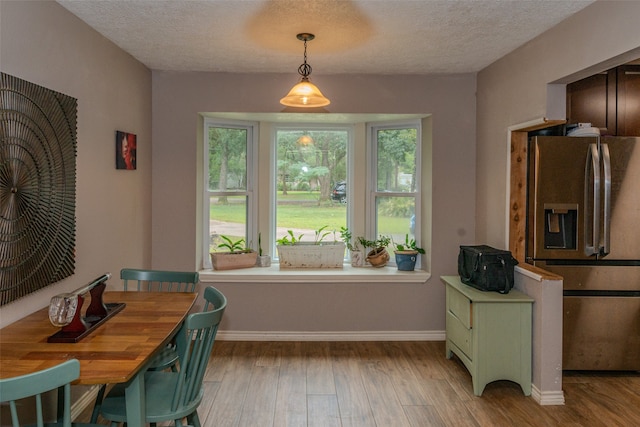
177, 100
513, 90
43, 43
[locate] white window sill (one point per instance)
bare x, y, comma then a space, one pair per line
348, 274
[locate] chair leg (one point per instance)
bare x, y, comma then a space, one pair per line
98, 404
193, 419
60, 404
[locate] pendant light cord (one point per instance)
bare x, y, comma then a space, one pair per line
305, 69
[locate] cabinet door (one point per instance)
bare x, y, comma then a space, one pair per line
629, 100
592, 100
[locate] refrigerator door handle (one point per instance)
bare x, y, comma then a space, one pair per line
592, 222
606, 163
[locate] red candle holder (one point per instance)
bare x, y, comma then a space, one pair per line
65, 310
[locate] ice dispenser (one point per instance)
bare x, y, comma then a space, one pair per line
560, 226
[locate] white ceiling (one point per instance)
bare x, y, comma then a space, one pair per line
352, 36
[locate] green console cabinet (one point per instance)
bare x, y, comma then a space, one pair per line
490, 333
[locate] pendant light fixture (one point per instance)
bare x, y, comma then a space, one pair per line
305, 93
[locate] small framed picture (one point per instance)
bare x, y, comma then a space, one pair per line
126, 146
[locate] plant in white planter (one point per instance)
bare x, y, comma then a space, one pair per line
263, 260
357, 254
407, 254
294, 253
238, 255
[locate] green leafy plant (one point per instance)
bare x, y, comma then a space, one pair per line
321, 234
409, 245
380, 242
289, 238
347, 238
234, 246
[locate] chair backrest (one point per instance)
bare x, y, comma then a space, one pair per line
158, 280
195, 343
38, 383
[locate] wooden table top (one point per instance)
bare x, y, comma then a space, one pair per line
112, 353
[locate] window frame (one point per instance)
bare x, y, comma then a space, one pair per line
251, 226
261, 209
310, 127
372, 180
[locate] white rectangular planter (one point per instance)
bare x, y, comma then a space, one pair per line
311, 255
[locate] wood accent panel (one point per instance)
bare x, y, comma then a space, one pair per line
518, 196
518, 186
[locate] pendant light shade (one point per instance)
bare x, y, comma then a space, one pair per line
305, 93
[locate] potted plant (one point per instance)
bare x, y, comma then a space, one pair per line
263, 260
237, 256
357, 255
378, 255
294, 253
407, 254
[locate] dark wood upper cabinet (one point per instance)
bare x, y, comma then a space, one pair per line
628, 100
609, 101
588, 101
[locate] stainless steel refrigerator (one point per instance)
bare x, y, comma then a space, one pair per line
583, 223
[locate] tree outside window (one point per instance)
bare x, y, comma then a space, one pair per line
309, 164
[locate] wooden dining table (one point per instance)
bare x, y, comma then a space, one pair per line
112, 353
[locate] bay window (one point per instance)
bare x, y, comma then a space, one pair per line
366, 176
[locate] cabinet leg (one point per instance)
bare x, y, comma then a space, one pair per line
526, 388
478, 387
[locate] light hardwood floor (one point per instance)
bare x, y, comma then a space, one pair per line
390, 384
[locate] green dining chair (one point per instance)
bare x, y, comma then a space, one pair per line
142, 280
169, 395
160, 281
36, 384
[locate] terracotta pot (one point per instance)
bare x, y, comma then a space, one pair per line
231, 261
378, 257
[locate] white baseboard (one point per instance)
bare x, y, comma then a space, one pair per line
547, 397
86, 400
331, 336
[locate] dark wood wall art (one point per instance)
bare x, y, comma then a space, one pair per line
37, 187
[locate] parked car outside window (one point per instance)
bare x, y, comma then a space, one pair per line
339, 192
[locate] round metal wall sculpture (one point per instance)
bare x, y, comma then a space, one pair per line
37, 187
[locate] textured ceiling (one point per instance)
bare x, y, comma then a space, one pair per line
352, 36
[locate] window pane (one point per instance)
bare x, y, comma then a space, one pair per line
310, 165
227, 217
396, 165
228, 185
227, 159
395, 217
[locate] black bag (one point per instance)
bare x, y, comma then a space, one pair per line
486, 268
